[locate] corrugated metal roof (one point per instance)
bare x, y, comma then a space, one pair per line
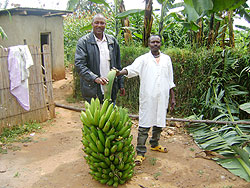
34, 11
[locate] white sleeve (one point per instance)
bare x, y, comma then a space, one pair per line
135, 68
171, 74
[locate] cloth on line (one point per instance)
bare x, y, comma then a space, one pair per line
19, 62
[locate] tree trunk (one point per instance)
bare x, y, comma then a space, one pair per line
222, 41
211, 32
125, 23
231, 30
148, 20
199, 34
216, 30
163, 13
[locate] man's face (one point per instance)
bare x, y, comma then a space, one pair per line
154, 43
98, 25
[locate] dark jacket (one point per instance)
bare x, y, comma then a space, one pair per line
87, 64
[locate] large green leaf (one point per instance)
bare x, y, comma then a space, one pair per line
234, 166
129, 13
226, 141
202, 5
220, 5
245, 107
138, 35
197, 8
101, 2
85, 28
190, 10
192, 26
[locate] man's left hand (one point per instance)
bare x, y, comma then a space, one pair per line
173, 103
122, 92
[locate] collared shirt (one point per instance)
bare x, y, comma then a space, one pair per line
156, 80
104, 57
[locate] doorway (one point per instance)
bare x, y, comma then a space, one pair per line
44, 39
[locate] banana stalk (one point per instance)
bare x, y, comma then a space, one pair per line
108, 88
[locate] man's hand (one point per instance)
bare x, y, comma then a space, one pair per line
173, 103
102, 80
122, 72
122, 92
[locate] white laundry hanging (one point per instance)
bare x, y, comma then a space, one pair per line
19, 62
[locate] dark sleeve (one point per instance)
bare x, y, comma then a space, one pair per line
120, 79
81, 62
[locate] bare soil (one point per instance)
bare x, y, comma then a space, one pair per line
54, 158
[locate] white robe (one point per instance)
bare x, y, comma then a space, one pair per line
156, 80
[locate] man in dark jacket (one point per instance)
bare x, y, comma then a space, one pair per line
96, 53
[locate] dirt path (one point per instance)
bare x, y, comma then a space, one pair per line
54, 159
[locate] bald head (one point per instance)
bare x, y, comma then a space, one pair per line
99, 15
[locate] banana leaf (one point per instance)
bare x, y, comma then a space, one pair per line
228, 142
245, 107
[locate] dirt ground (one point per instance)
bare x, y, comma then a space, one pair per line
54, 158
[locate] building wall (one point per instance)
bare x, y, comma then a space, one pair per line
28, 27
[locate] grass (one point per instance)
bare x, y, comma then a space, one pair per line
191, 149
153, 161
17, 134
71, 99
156, 175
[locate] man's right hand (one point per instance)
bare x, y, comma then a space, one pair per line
101, 80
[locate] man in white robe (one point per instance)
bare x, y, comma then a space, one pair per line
156, 83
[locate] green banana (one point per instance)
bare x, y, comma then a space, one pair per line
111, 131
113, 149
112, 116
101, 136
117, 118
93, 136
97, 103
110, 182
99, 146
120, 145
103, 181
106, 127
109, 111
104, 107
115, 184
107, 143
93, 147
86, 105
84, 118
85, 142
96, 117
102, 122
103, 165
92, 106
90, 116
106, 152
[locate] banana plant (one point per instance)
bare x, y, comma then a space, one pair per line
198, 9
232, 142
166, 6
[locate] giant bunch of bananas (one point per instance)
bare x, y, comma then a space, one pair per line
107, 142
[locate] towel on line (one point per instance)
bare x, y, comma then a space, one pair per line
19, 62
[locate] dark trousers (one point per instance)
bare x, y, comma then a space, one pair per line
141, 148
